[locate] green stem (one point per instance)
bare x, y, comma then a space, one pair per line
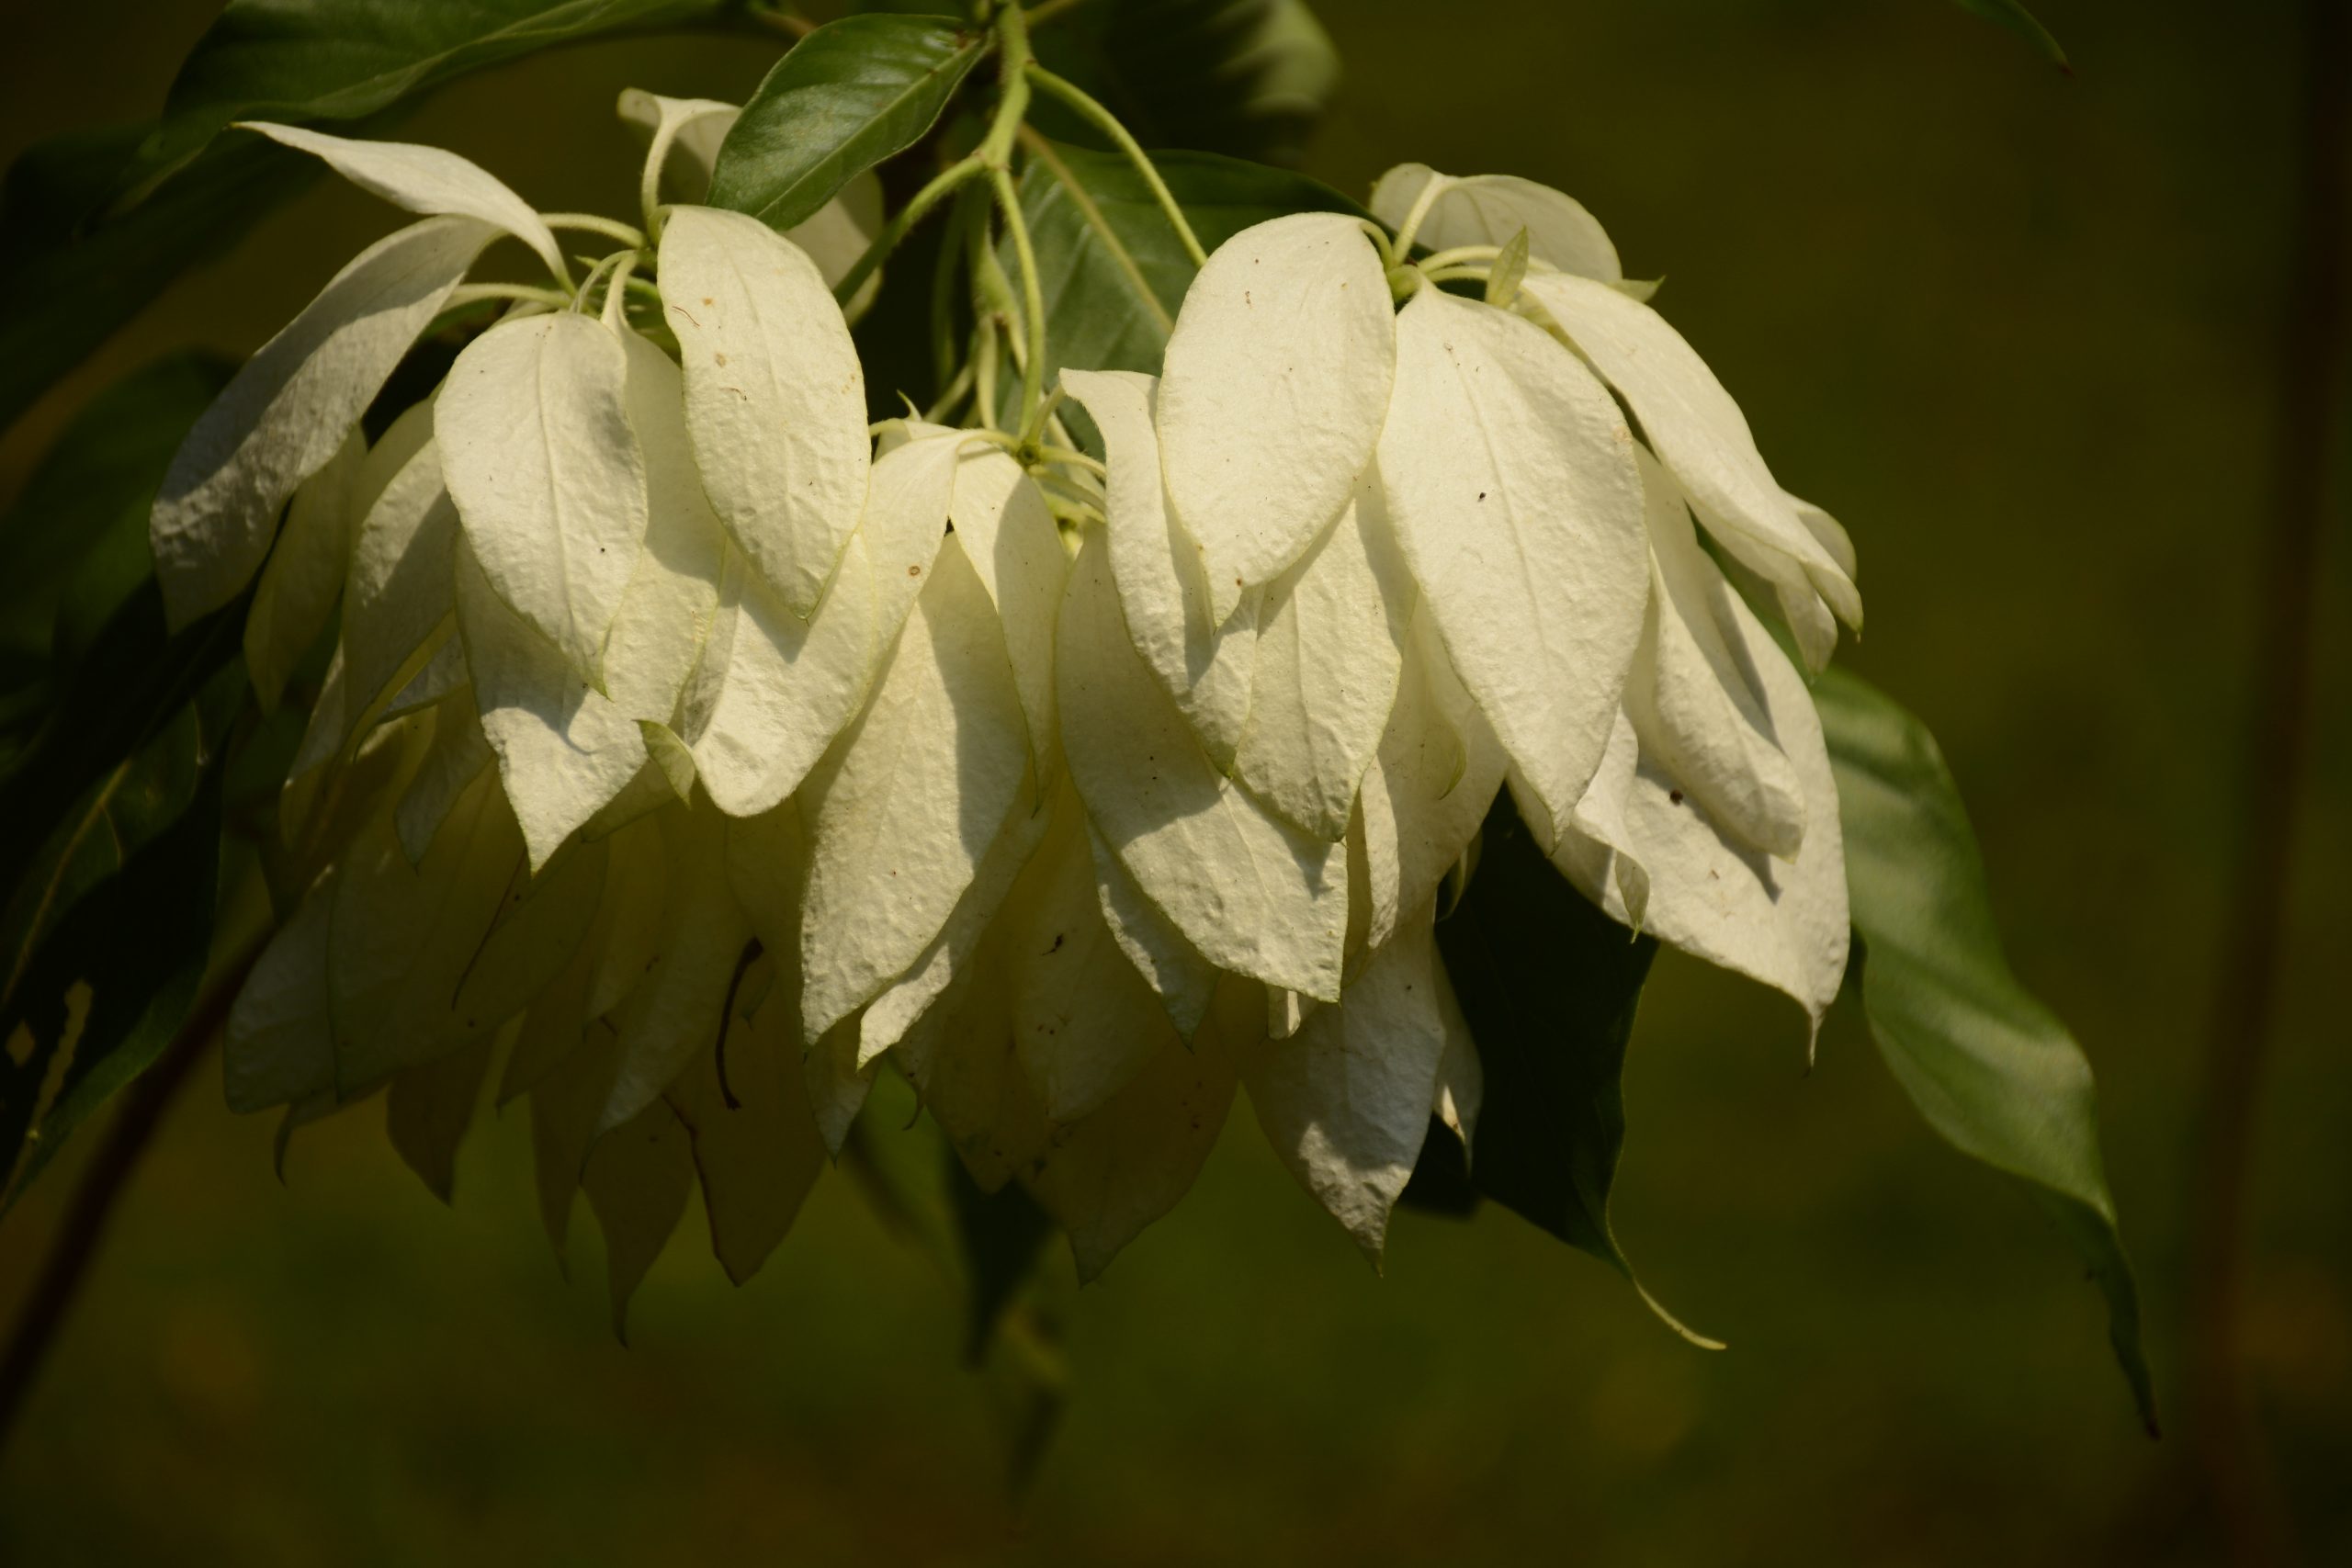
521, 293
1103, 120
1042, 150
1033, 299
595, 223
941, 185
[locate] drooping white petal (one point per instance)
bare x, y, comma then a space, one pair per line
1277, 375
305, 571
1697, 431
398, 590
429, 1108
888, 1018
682, 138
1427, 789
1185, 981
1601, 816
906, 518
666, 610
638, 1179
563, 751
536, 449
459, 754
1083, 1021
1255, 896
1205, 665
837, 1085
425, 958
1461, 1078
1693, 704
279, 1044
1110, 1175
1511, 485
1329, 646
755, 1143
286, 410
427, 180
1782, 922
1488, 209
1012, 540
675, 1008
909, 802
1347, 1103
773, 690
774, 395
961, 1058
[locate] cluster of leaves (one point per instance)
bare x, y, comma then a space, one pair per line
129, 759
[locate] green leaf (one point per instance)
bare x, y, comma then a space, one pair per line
114, 973
1248, 78
1549, 986
1988, 1066
340, 59
1112, 269
848, 96
93, 224
75, 544
70, 275
2012, 15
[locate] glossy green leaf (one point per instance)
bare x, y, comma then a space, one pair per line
1988, 1066
1112, 269
848, 95
1549, 986
70, 275
341, 59
75, 544
110, 963
93, 224
2013, 16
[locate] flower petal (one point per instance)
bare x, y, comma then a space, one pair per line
903, 809
1012, 540
1205, 665
1254, 895
1488, 209
673, 593
1173, 968
1511, 485
774, 395
286, 412
563, 751
1346, 1102
536, 446
1277, 376
1696, 429
305, 571
427, 180
1329, 646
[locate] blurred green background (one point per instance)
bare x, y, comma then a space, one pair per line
2017, 331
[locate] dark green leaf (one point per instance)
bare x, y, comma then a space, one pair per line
1549, 985
1987, 1063
342, 59
77, 533
2012, 15
93, 224
115, 972
1248, 78
1000, 1236
848, 95
1112, 269
70, 276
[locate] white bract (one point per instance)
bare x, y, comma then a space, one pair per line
688, 752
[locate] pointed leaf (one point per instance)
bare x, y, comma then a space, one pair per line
851, 94
1985, 1063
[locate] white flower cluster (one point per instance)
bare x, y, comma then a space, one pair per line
692, 754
